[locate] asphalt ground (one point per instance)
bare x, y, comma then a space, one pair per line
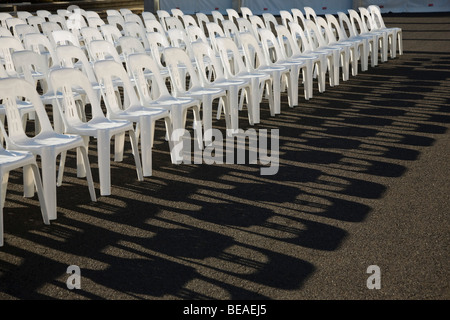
362, 181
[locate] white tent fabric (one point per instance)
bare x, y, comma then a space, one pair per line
320, 6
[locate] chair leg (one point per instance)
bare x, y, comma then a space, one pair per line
84, 154
146, 125
40, 192
49, 182
137, 159
104, 162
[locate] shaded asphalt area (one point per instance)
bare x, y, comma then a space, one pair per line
362, 181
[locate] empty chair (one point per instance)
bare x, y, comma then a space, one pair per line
358, 47
354, 25
147, 15
3, 17
154, 26
69, 81
116, 21
186, 83
11, 24
162, 15
110, 33
329, 41
43, 13
102, 50
144, 118
12, 160
189, 20
217, 17
134, 29
395, 33
369, 27
232, 14
208, 63
256, 61
274, 54
24, 29
36, 22
174, 23
153, 92
8, 45
88, 35
246, 12
95, 22
178, 13
269, 20
4, 32
292, 51
235, 68
214, 31
23, 15
64, 37
125, 11
132, 17
310, 14
298, 17
61, 21
202, 20
47, 144
286, 17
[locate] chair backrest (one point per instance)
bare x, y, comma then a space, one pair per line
70, 82
107, 72
147, 15
176, 60
270, 46
231, 57
110, 33
286, 17
59, 20
11, 24
116, 21
23, 15
162, 15
244, 25
214, 31
202, 21
125, 11
346, 24
129, 45
178, 13
63, 37
158, 42
95, 22
298, 17
174, 23
233, 15
36, 21
195, 33
231, 30
246, 12
377, 17
23, 29
133, 17
27, 62
254, 56
11, 91
357, 22
269, 20
217, 17
310, 14
334, 25
4, 32
154, 26
288, 44
44, 13
71, 56
203, 52
315, 36
327, 33
148, 89
367, 19
3, 17
48, 28
8, 45
134, 29
179, 38
113, 12
103, 50
189, 20
257, 23
41, 44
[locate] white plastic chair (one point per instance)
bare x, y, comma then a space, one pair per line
3, 17
116, 21
132, 110
310, 14
102, 50
246, 12
202, 21
61, 21
23, 14
315, 62
147, 15
11, 24
330, 41
154, 26
369, 42
274, 54
132, 17
189, 20
4, 32
154, 93
232, 15
186, 83
235, 68
359, 50
298, 17
395, 33
12, 160
36, 21
88, 35
134, 29
257, 61
47, 144
217, 17
286, 17
111, 33
174, 23
95, 22
8, 45
162, 15
269, 20
209, 63
357, 28
369, 27
69, 81
24, 29
43, 13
